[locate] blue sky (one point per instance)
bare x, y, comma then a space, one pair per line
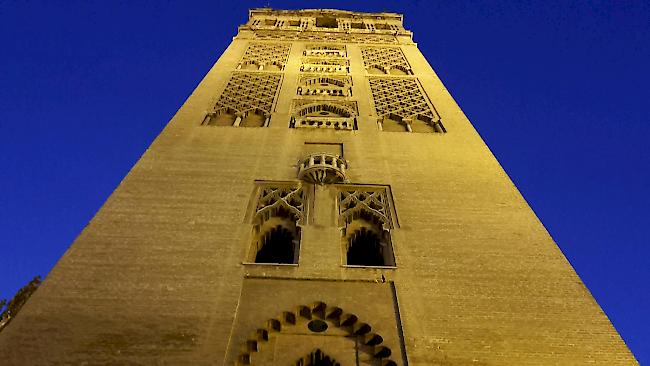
558, 90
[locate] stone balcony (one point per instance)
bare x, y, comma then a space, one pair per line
322, 168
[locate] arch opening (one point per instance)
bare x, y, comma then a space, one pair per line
317, 358
253, 119
315, 109
224, 117
276, 238
370, 346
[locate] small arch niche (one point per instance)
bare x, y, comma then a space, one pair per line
421, 126
398, 71
273, 67
251, 66
222, 118
253, 119
376, 70
320, 110
393, 124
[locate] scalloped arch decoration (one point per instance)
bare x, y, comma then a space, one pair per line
371, 343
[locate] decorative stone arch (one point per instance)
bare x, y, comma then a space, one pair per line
376, 69
340, 110
325, 84
333, 114
224, 116
250, 65
247, 100
377, 60
257, 65
277, 225
401, 68
255, 117
318, 317
365, 224
402, 106
263, 54
228, 116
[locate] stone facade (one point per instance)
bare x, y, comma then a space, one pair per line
320, 199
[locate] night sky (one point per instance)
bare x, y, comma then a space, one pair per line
558, 91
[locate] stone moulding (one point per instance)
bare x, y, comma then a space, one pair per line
322, 168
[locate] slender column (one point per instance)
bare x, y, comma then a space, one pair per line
207, 118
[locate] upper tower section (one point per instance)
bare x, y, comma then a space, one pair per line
329, 24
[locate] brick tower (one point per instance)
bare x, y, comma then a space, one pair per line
320, 199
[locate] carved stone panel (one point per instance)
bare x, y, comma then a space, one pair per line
385, 60
265, 56
402, 106
339, 115
325, 37
247, 98
325, 85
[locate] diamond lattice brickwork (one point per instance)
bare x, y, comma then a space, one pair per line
326, 37
386, 59
273, 197
402, 99
266, 54
247, 91
355, 200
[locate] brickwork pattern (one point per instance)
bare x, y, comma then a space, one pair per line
247, 91
385, 59
325, 37
263, 54
400, 97
352, 201
272, 197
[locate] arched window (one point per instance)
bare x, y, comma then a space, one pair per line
365, 216
276, 230
365, 249
317, 358
278, 239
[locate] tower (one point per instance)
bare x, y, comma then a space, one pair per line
319, 199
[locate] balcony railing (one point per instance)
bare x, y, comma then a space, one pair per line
322, 168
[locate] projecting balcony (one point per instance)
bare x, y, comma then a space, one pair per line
322, 168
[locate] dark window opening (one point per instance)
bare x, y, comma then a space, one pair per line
357, 26
277, 246
366, 249
327, 22
294, 23
317, 358
382, 26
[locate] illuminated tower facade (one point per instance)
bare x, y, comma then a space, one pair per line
320, 199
